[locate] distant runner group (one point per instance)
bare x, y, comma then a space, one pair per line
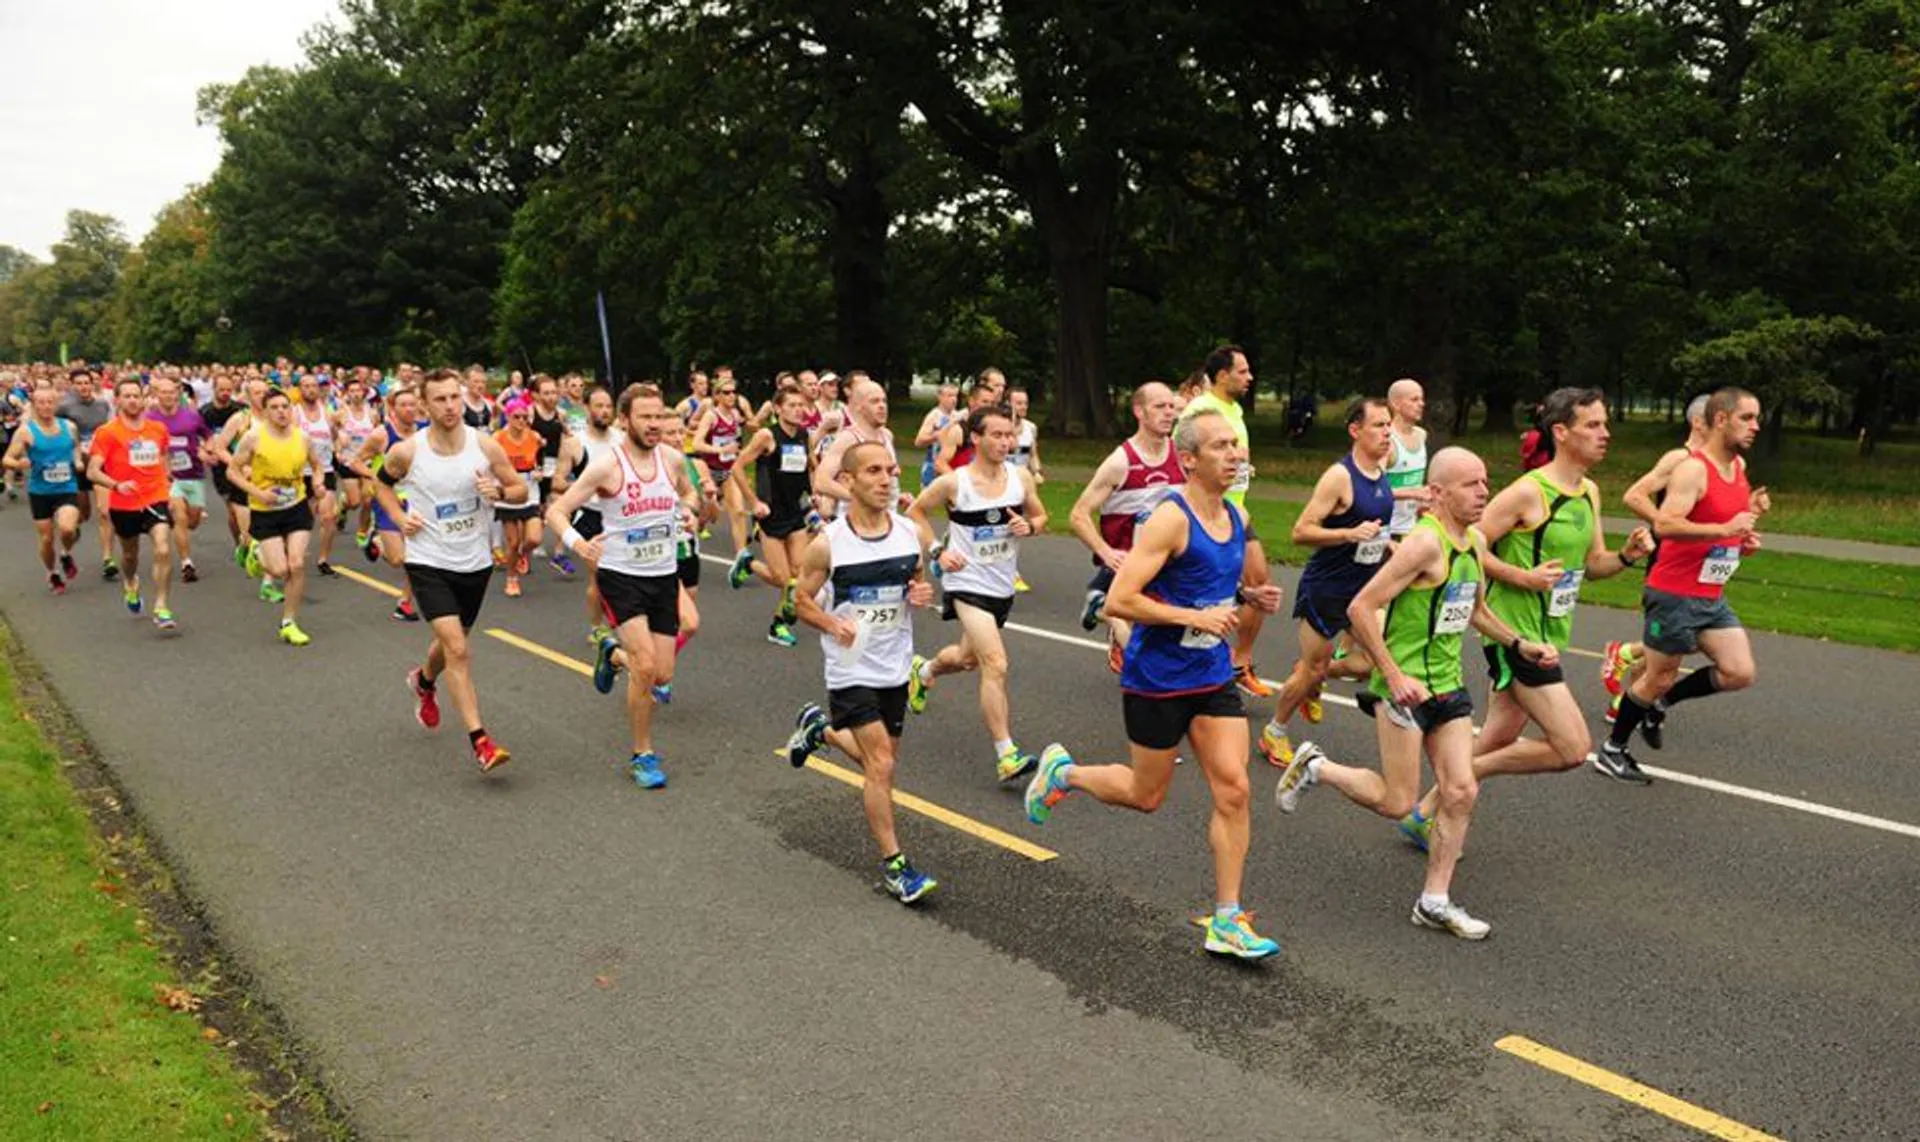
448, 482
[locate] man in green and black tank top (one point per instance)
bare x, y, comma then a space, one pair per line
1545, 540
1431, 591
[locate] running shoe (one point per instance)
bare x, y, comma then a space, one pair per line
596, 632
1275, 745
1417, 830
1615, 762
741, 569
271, 593
1095, 603
906, 883
403, 612
662, 693
1020, 586
1248, 677
1116, 656
360, 538
292, 635
917, 687
426, 708
1312, 709
1299, 777
490, 754
603, 665
1049, 783
787, 613
499, 557
647, 773
189, 573
326, 568
370, 547
780, 634
1653, 728
1613, 666
163, 619
109, 570
933, 559
56, 584
1450, 917
1013, 763
524, 564
559, 561
1613, 706
253, 567
68, 567
809, 734
513, 586
1234, 936
131, 596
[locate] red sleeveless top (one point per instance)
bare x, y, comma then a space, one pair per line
1700, 568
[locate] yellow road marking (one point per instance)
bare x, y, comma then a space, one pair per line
369, 581
939, 813
538, 651
1621, 1087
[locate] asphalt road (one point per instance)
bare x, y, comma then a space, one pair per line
550, 952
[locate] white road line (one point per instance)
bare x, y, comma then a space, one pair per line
1782, 801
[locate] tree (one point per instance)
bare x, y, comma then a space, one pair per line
66, 301
1788, 362
165, 307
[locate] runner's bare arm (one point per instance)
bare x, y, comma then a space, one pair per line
826, 473
951, 438
816, 563
240, 469
512, 487
1256, 573
1084, 517
927, 434
570, 448
1416, 555
1517, 505
938, 494
1495, 629
1332, 494
1689, 483
702, 429
1162, 537
1604, 564
16, 458
757, 447
1639, 496
1033, 511
399, 463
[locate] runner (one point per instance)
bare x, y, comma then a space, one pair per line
576, 452
1025, 454
780, 500
944, 412
1706, 523
216, 413
646, 502
316, 421
47, 449
87, 410
128, 462
689, 409
1123, 492
1230, 378
989, 504
453, 476
716, 439
277, 466
246, 551
187, 437
859, 580
956, 443
359, 422
1345, 523
687, 550
520, 523
551, 424
1407, 471
388, 541
477, 407
1544, 541
1430, 591
1179, 586
866, 424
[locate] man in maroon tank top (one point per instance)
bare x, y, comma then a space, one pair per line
1705, 525
1125, 489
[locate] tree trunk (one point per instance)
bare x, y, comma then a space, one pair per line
1428, 358
857, 253
1077, 227
1500, 398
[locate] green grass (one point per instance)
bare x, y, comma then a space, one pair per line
87, 1049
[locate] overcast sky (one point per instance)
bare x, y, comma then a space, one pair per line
97, 101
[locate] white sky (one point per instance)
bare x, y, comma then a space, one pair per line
97, 101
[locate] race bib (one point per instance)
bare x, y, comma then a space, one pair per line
577, 423
1564, 594
548, 466
1720, 564
793, 457
143, 454
650, 544
992, 544
881, 608
1197, 639
1371, 551
179, 458
1242, 477
1456, 607
324, 450
283, 496
460, 517
57, 473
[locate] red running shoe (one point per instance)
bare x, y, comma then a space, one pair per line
427, 710
490, 754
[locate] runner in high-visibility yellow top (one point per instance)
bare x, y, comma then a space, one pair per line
1229, 378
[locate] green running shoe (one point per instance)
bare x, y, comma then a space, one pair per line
1049, 783
1014, 764
271, 593
780, 634
1416, 829
917, 689
1236, 937
131, 596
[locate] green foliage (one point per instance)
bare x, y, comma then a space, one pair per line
67, 300
165, 308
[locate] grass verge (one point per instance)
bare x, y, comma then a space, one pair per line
115, 1021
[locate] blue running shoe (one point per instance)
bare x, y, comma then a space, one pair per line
560, 562
662, 694
131, 596
933, 559
1049, 783
1090, 610
1236, 937
603, 667
741, 570
1418, 830
906, 883
809, 734
647, 773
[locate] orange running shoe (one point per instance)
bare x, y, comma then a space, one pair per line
1248, 677
490, 754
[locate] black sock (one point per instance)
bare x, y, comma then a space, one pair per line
1699, 684
888, 861
426, 680
1627, 720
474, 736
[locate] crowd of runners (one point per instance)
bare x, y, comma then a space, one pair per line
451, 483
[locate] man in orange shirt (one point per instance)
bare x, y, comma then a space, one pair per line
129, 459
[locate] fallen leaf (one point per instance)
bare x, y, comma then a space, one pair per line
44, 1107
227, 1119
603, 980
106, 886
80, 949
210, 1034
177, 998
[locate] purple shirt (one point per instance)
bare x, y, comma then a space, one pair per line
185, 430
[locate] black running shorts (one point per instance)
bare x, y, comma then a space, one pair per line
1159, 721
1505, 667
280, 524
43, 505
857, 706
655, 598
439, 593
998, 608
136, 523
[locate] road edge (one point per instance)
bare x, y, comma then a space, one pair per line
277, 1066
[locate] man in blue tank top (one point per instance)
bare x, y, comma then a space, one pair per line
1345, 521
47, 449
1180, 586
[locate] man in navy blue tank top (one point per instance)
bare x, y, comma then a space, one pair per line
1345, 522
1181, 586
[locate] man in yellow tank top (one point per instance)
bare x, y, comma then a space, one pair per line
271, 466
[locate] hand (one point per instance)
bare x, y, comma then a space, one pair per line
1219, 621
410, 524
951, 559
124, 487
1406, 691
1741, 524
1039, 477
1363, 531
919, 593
689, 522
1759, 501
1639, 543
1266, 596
488, 487
1750, 541
592, 549
1019, 525
1538, 653
844, 631
1543, 577
761, 511
904, 502
1113, 559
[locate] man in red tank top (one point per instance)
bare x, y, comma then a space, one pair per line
1705, 525
1125, 489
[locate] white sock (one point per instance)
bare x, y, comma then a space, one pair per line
926, 671
1433, 903
1002, 746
